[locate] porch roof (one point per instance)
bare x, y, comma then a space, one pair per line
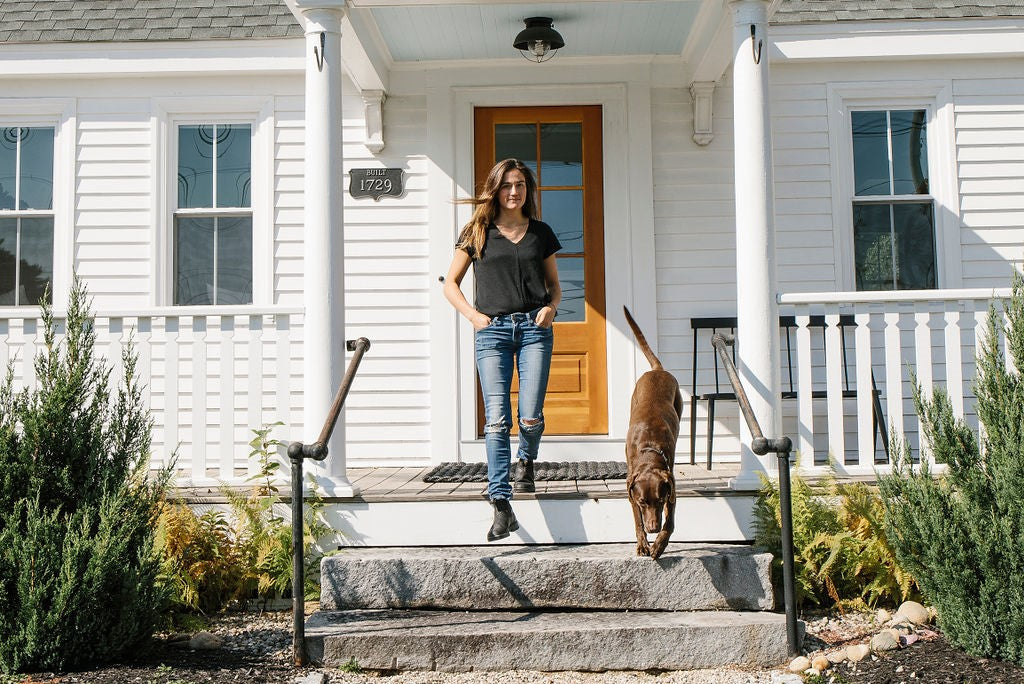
819, 11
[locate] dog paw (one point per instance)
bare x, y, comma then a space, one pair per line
643, 549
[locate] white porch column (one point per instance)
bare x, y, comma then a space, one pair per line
324, 363
756, 283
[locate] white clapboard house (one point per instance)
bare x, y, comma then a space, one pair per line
244, 185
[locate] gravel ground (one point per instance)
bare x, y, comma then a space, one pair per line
256, 649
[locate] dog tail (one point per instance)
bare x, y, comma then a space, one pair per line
651, 358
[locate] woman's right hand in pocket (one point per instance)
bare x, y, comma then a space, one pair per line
479, 320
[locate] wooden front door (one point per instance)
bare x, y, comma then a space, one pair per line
562, 145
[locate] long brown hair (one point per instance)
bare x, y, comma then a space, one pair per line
474, 233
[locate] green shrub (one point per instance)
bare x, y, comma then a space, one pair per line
841, 554
77, 568
962, 534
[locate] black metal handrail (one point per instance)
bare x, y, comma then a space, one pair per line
761, 445
297, 451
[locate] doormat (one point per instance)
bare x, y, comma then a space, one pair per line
542, 470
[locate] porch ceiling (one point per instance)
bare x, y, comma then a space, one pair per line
411, 31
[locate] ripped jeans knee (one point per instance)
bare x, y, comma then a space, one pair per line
531, 425
499, 427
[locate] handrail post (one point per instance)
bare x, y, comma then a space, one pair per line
761, 446
297, 451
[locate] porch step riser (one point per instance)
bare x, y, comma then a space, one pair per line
607, 576
570, 520
427, 640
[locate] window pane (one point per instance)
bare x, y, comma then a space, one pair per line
36, 259
870, 153
193, 261
563, 211
36, 168
872, 245
561, 154
234, 260
570, 276
915, 246
8, 166
909, 153
518, 141
8, 247
195, 166
234, 159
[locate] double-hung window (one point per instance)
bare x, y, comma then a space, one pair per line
213, 235
893, 208
26, 214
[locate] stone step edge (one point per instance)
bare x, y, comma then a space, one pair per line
546, 641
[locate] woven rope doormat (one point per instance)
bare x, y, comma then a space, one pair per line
543, 470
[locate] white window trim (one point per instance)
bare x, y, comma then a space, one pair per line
168, 114
60, 113
935, 97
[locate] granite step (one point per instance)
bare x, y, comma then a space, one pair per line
688, 577
545, 641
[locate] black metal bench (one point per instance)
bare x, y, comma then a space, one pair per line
721, 390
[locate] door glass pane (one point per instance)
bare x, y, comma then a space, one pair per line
8, 247
234, 159
234, 260
872, 244
870, 153
193, 261
570, 276
36, 259
561, 153
915, 247
36, 168
909, 153
517, 141
8, 162
563, 211
195, 166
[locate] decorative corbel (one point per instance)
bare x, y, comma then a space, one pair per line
702, 93
373, 111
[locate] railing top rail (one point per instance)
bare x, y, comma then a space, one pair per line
32, 313
893, 296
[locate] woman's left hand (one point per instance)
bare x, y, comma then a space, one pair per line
545, 317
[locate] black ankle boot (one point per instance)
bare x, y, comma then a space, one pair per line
505, 522
524, 477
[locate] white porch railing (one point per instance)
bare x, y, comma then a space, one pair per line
211, 375
933, 333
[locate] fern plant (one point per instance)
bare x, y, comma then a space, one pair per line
842, 558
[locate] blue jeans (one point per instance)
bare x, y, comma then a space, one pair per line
512, 340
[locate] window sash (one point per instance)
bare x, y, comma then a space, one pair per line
26, 260
218, 272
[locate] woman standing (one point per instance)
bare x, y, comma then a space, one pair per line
515, 299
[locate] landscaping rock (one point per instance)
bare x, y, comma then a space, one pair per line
915, 612
821, 663
885, 641
799, 664
205, 641
857, 652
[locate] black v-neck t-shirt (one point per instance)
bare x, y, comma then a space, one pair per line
509, 278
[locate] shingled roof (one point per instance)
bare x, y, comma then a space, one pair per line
86, 21
816, 11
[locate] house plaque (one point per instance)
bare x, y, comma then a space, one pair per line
375, 183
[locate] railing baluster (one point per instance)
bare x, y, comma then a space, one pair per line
865, 393
805, 386
893, 371
834, 390
954, 360
226, 399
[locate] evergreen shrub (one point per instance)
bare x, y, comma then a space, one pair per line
962, 534
77, 508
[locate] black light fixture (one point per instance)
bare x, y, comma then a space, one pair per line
538, 42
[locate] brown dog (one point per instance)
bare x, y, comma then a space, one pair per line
654, 416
